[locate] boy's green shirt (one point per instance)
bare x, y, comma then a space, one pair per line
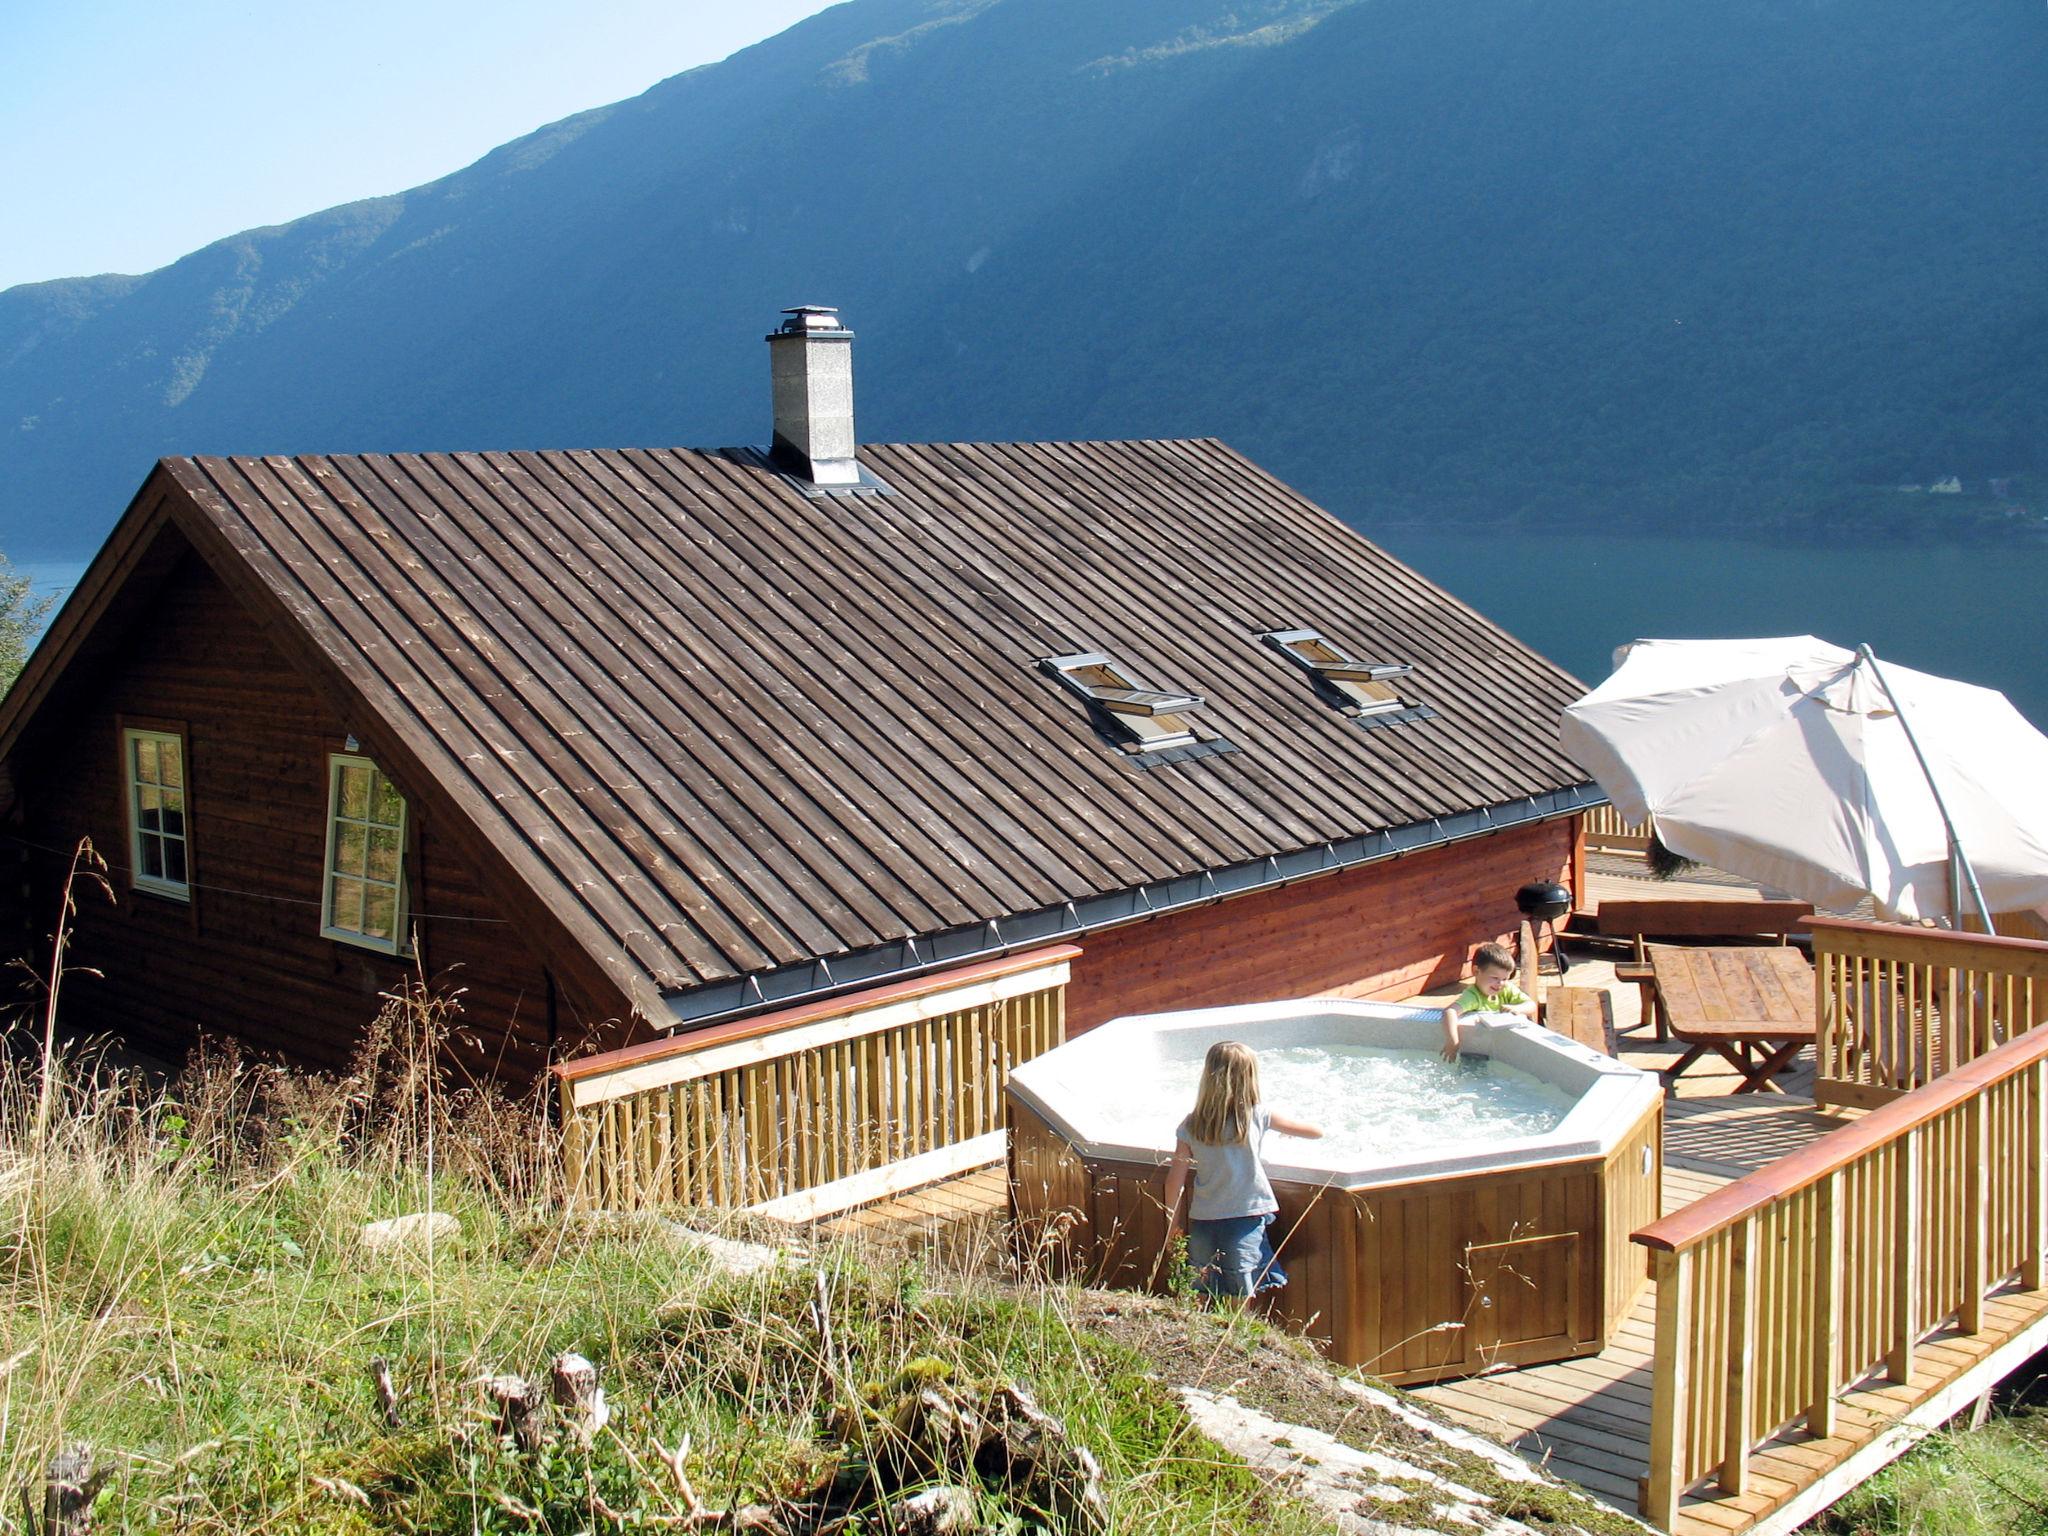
1472, 1000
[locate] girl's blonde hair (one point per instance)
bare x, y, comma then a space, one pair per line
1228, 1095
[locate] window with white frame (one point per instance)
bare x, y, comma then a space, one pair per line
1141, 719
159, 858
1357, 687
364, 901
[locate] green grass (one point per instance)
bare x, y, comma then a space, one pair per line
1959, 1482
185, 1290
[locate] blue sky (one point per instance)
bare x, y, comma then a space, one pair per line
133, 131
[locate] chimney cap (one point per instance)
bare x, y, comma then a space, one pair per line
816, 320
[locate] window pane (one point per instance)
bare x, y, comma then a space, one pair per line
390, 807
174, 813
348, 848
149, 809
171, 768
174, 861
347, 903
152, 851
384, 855
145, 761
380, 911
355, 790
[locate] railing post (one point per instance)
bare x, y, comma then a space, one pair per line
1741, 1350
2033, 1266
1976, 1212
574, 1155
1827, 1302
1898, 1360
1825, 1010
1669, 1388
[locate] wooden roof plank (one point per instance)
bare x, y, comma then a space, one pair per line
1309, 726
865, 683
1420, 750
970, 672
603, 741
772, 723
359, 616
1198, 833
585, 954
719, 755
748, 868
1131, 616
1426, 610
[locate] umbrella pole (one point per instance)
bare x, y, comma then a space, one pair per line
1958, 860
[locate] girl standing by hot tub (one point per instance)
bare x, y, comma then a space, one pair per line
1233, 1205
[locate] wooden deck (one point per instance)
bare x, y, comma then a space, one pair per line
1589, 1420
956, 1221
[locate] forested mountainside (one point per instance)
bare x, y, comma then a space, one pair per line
1750, 262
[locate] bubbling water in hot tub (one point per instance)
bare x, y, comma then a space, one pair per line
1374, 1103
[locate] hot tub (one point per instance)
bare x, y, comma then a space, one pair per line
1441, 1255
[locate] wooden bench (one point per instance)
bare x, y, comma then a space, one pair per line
1584, 1014
1665, 918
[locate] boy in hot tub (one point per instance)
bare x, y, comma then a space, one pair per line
1491, 991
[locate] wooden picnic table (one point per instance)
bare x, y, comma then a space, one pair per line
1752, 1006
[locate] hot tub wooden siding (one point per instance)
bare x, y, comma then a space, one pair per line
1528, 1264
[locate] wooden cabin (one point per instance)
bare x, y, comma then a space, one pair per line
632, 743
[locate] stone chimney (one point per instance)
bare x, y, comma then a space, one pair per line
810, 363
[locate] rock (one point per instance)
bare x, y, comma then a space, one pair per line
1336, 1477
935, 1512
1510, 1467
414, 1231
725, 1254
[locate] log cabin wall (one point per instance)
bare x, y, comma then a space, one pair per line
1387, 930
245, 958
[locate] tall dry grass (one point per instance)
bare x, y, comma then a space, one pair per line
183, 1284
225, 1207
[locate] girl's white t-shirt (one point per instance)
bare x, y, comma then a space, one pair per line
1230, 1180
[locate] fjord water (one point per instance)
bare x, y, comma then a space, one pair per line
1972, 611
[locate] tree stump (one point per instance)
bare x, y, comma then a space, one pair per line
1030, 1451
522, 1411
387, 1391
69, 1487
573, 1380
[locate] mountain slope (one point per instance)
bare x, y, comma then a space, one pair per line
1482, 259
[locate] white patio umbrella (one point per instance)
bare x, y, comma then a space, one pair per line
1817, 771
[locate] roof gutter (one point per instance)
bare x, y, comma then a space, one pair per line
795, 984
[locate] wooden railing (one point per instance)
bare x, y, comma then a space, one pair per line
825, 1095
1778, 1291
1606, 830
1899, 1007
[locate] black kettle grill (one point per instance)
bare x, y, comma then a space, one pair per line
1545, 901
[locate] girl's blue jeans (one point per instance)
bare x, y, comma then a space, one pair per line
1234, 1256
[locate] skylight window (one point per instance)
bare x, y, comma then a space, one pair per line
1359, 688
1140, 719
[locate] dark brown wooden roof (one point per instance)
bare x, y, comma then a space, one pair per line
722, 727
